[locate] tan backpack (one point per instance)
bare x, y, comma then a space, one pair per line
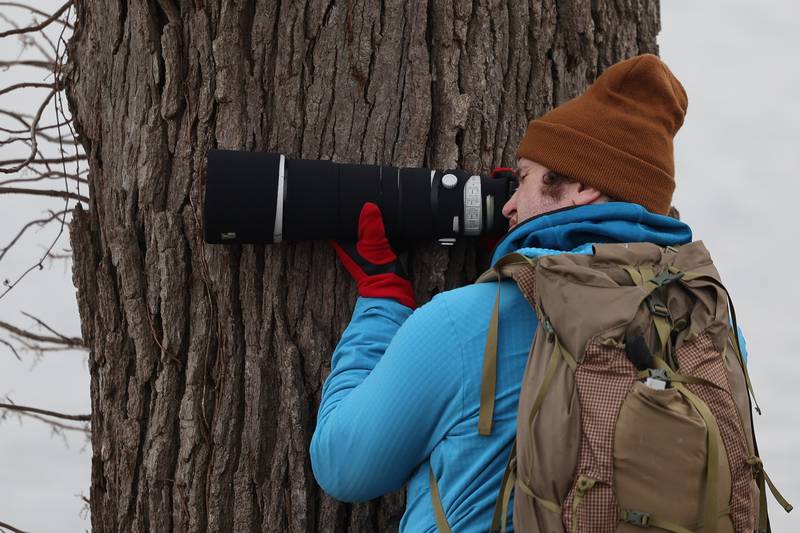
635, 408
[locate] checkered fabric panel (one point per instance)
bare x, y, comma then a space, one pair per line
604, 379
700, 358
526, 280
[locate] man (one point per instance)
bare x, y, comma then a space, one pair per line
403, 395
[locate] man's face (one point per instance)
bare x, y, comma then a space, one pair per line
530, 200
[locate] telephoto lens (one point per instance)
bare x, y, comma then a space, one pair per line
265, 198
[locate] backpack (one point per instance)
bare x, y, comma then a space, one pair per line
634, 410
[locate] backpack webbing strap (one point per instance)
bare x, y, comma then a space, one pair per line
547, 504
489, 375
681, 378
761, 477
510, 481
713, 443
646, 520
690, 276
504, 268
559, 352
645, 278
582, 485
438, 509
500, 517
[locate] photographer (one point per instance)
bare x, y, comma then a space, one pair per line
403, 396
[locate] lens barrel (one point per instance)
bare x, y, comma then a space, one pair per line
264, 198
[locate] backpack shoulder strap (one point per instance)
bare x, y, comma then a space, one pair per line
505, 268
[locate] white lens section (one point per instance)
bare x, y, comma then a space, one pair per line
277, 235
473, 214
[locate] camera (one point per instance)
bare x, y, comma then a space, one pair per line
266, 197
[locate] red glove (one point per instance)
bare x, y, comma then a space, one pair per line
372, 262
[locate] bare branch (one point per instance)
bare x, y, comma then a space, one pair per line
11, 528
58, 425
27, 85
40, 192
46, 65
47, 161
44, 136
21, 118
36, 157
33, 135
41, 350
40, 222
39, 26
45, 176
64, 338
34, 11
12, 349
65, 343
26, 409
28, 41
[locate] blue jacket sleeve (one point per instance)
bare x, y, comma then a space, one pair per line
391, 391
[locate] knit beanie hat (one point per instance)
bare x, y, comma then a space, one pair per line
616, 136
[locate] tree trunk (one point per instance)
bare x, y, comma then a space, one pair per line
207, 362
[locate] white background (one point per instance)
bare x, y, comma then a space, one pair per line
737, 161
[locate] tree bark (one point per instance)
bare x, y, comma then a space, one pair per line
207, 362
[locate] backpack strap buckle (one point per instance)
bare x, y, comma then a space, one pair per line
636, 518
656, 306
666, 277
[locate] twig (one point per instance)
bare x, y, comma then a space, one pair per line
27, 40
27, 85
12, 349
46, 65
44, 176
51, 330
21, 118
11, 528
39, 338
65, 342
39, 26
46, 161
41, 222
58, 256
66, 195
58, 104
41, 350
26, 409
33, 136
41, 192
34, 11
59, 425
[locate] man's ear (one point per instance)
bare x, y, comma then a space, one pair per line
585, 195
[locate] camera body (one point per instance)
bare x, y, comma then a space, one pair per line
266, 197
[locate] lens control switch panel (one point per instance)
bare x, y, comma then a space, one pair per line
473, 207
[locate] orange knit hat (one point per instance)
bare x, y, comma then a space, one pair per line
616, 136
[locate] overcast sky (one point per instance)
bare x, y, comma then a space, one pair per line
737, 159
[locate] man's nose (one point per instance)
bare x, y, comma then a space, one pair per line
510, 206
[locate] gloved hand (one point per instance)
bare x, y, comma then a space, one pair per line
372, 262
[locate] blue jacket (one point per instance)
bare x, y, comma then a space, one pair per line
404, 388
